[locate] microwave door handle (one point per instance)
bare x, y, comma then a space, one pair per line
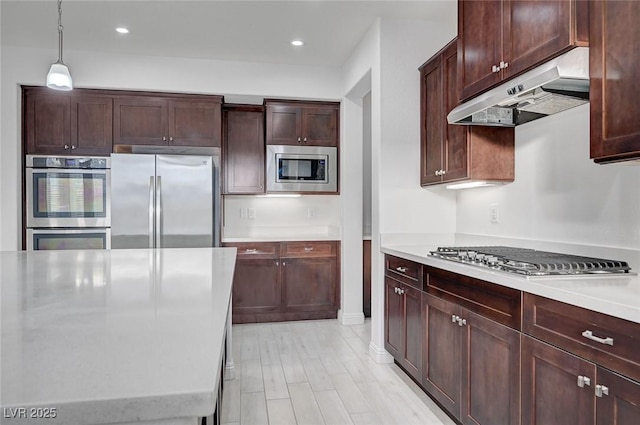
152, 222
158, 212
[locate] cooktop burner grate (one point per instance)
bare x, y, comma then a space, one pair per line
530, 262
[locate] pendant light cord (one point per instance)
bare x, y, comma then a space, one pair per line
60, 29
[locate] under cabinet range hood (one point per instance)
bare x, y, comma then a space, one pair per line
555, 86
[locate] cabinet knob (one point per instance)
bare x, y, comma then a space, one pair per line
73, 147
164, 139
402, 269
277, 263
298, 139
170, 139
66, 147
443, 172
601, 390
461, 321
504, 65
454, 318
437, 172
284, 264
583, 380
495, 68
305, 140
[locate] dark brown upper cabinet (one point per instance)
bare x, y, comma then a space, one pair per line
76, 123
182, 120
451, 153
302, 123
499, 39
243, 149
614, 77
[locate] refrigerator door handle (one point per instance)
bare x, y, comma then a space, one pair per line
151, 211
158, 212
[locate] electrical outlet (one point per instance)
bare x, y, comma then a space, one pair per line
251, 212
243, 213
494, 213
311, 212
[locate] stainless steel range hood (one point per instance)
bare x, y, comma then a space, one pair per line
555, 86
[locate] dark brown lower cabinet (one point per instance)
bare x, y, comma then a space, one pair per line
277, 281
471, 364
403, 328
620, 405
557, 387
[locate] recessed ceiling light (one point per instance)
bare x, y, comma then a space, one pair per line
122, 30
297, 43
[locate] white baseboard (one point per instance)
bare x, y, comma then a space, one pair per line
350, 318
229, 371
379, 355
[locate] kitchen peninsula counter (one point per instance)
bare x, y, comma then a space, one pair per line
615, 295
113, 336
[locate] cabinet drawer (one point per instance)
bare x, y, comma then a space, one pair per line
563, 325
493, 301
403, 270
308, 249
256, 249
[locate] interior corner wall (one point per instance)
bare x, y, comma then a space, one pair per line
559, 194
405, 207
128, 72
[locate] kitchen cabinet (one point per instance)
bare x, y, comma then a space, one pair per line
557, 387
499, 39
181, 120
243, 150
450, 153
66, 124
617, 399
614, 76
402, 325
366, 277
471, 364
302, 123
277, 281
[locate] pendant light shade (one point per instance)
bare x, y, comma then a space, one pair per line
59, 77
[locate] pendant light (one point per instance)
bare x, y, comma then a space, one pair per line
59, 77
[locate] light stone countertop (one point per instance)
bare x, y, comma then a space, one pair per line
113, 336
615, 295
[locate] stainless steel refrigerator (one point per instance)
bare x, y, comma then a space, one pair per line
165, 201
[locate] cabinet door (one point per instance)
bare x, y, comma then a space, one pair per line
455, 155
243, 152
140, 121
47, 124
534, 31
431, 121
479, 45
309, 284
284, 125
256, 286
622, 405
550, 393
393, 319
195, 123
490, 372
412, 358
320, 126
91, 125
441, 354
614, 75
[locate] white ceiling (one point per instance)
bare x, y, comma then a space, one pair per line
255, 31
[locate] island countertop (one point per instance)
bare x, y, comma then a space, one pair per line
113, 336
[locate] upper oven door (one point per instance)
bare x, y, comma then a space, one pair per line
302, 169
68, 197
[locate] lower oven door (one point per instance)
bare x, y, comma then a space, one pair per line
46, 239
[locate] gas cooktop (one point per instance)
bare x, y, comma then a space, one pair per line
530, 262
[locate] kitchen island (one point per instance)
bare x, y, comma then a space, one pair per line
113, 337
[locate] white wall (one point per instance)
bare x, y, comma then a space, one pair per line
100, 70
559, 194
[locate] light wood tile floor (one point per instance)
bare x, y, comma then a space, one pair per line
318, 372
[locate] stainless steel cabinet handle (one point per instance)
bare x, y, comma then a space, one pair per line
277, 263
495, 68
251, 250
401, 291
164, 138
151, 214
170, 139
461, 321
308, 248
305, 140
589, 335
159, 212
443, 172
401, 269
454, 318
395, 289
504, 65
601, 390
438, 172
284, 264
299, 139
73, 147
66, 147
583, 380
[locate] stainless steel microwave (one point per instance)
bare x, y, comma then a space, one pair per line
302, 168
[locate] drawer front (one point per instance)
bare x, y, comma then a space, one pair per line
493, 301
563, 325
308, 249
405, 271
256, 249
